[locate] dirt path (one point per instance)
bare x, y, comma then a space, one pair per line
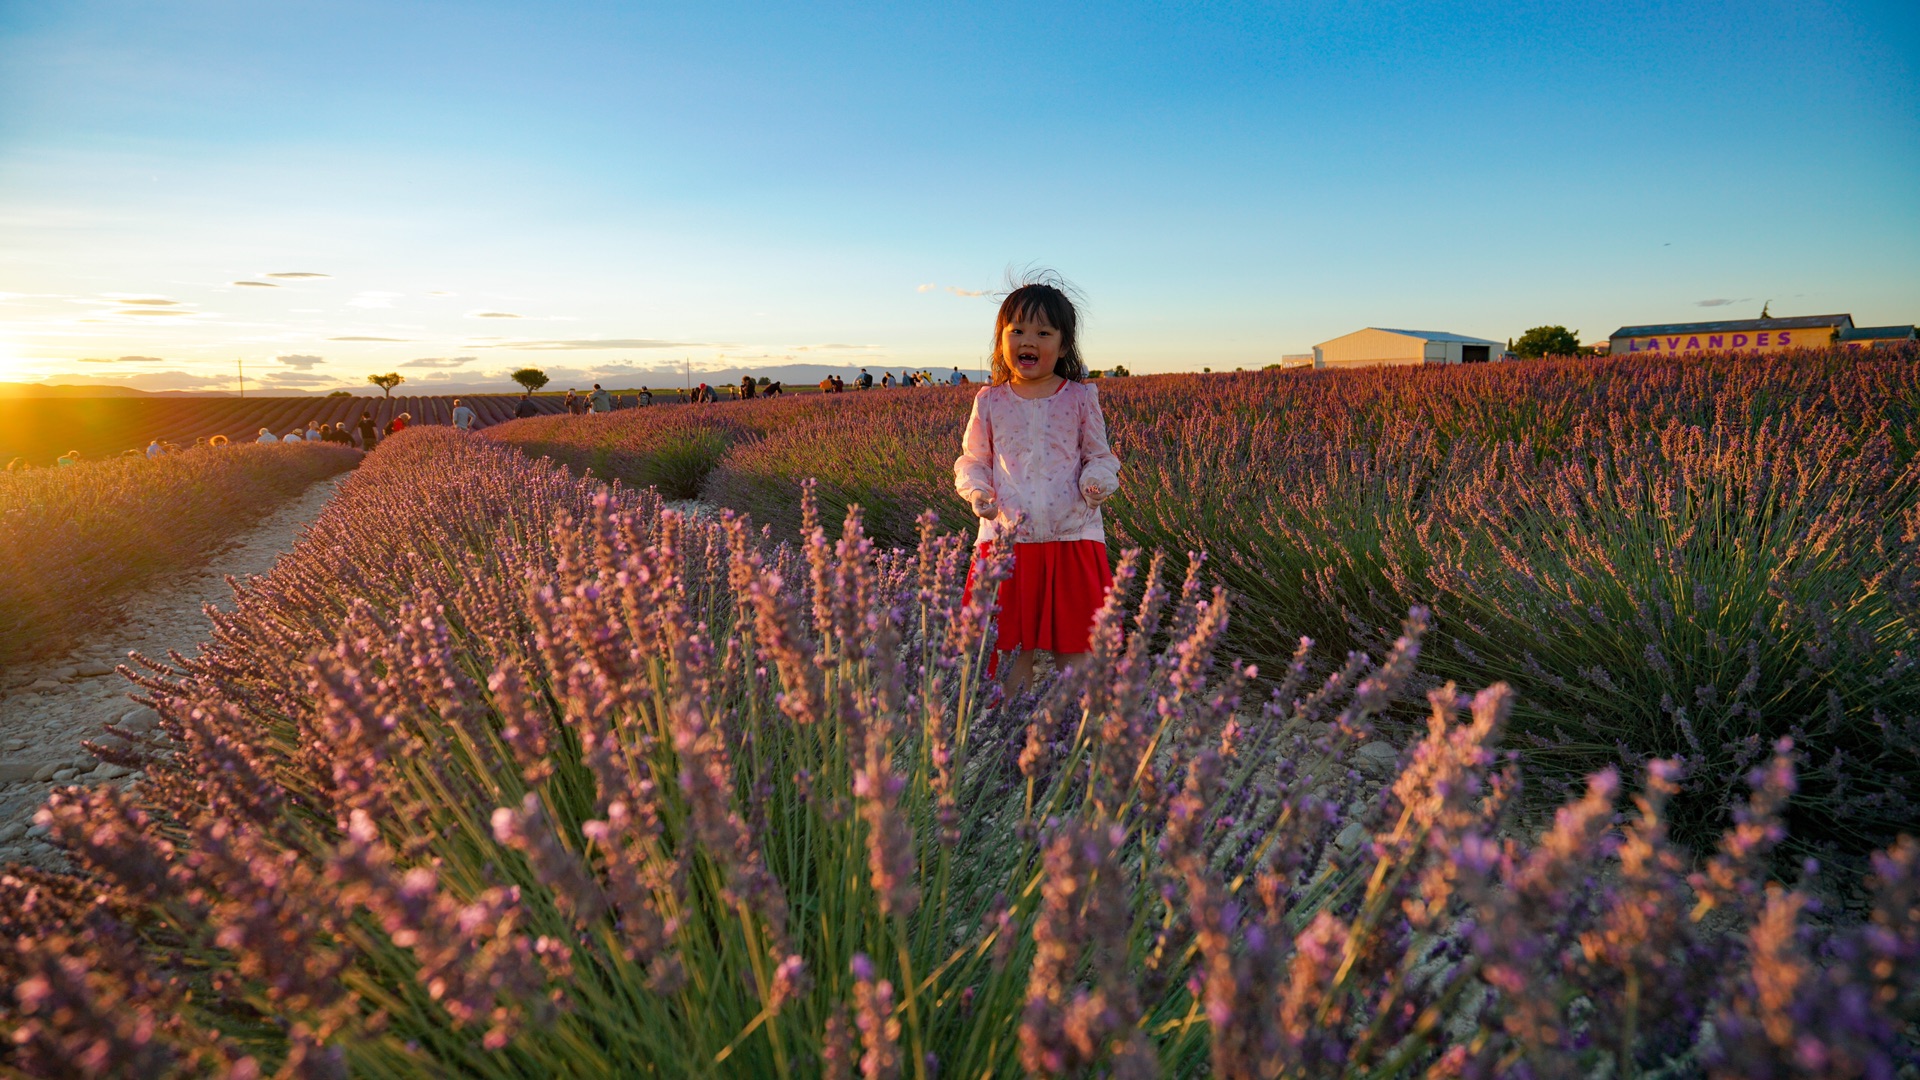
48, 707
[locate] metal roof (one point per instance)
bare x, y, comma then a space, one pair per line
1797, 322
1437, 335
1869, 333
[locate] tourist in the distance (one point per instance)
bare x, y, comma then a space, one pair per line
369, 432
746, 386
646, 397
773, 389
1035, 466
219, 440
154, 450
399, 423
462, 416
526, 407
601, 402
313, 433
572, 403
865, 381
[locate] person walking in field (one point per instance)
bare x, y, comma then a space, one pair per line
267, 436
746, 388
369, 432
154, 450
71, 457
1035, 466
572, 403
526, 407
462, 416
601, 402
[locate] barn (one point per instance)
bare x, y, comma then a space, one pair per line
1379, 347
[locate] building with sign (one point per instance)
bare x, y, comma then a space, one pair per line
1376, 347
1738, 335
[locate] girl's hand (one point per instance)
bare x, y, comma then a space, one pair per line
1093, 493
984, 504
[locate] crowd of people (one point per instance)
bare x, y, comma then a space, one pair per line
833, 384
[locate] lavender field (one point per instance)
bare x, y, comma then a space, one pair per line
1686, 559
502, 773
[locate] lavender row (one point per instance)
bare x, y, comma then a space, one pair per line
80, 537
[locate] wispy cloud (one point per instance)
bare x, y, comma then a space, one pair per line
361, 337
295, 274
297, 378
155, 301
440, 361
255, 284
303, 361
606, 343
958, 291
928, 287
833, 346
153, 311
374, 298
124, 360
1717, 302
146, 380
493, 315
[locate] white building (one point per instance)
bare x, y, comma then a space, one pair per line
1375, 347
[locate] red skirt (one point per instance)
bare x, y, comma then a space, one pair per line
1050, 600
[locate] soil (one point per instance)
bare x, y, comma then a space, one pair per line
49, 707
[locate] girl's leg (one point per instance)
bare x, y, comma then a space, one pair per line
1016, 671
1063, 661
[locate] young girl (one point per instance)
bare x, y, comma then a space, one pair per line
1036, 467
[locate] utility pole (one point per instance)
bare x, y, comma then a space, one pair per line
241, 366
688, 360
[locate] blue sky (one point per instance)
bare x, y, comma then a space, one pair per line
607, 188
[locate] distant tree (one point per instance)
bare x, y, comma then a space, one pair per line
1118, 371
1207, 370
764, 381
1547, 341
388, 381
341, 393
530, 377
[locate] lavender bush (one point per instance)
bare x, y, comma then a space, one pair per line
517, 777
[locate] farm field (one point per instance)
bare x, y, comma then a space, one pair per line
41, 429
505, 773
74, 540
1663, 558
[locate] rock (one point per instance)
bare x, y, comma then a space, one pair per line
65, 774
107, 740
93, 669
45, 772
1351, 837
1377, 759
140, 720
64, 673
38, 831
16, 744
44, 684
14, 772
109, 771
12, 832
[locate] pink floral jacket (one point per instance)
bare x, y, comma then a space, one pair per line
1032, 457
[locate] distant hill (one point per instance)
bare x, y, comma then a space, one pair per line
61, 390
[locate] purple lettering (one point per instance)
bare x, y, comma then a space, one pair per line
1784, 339
1739, 341
1653, 344
1717, 341
1693, 343
1673, 343
1633, 344
1760, 339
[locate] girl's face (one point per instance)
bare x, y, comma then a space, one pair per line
1031, 346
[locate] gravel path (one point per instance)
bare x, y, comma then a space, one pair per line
48, 707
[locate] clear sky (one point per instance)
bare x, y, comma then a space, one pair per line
583, 186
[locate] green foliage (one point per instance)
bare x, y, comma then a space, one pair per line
388, 381
1547, 341
341, 393
530, 377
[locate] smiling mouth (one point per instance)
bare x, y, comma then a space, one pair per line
1027, 359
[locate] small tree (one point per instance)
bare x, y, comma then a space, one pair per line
530, 377
1548, 341
1118, 371
387, 382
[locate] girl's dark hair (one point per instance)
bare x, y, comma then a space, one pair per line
1049, 299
